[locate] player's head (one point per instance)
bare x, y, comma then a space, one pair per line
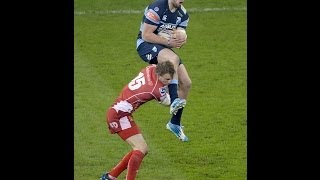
165, 71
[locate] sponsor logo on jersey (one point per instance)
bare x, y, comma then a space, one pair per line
178, 20
168, 26
156, 9
164, 18
149, 56
152, 16
154, 49
162, 91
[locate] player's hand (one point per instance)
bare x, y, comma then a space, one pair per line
178, 39
177, 43
184, 42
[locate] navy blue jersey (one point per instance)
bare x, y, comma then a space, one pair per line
158, 14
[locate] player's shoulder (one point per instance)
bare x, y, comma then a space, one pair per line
183, 9
150, 66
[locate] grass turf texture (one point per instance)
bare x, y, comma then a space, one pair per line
105, 60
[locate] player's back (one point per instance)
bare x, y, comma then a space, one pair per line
143, 88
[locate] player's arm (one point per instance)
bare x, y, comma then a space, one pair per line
149, 36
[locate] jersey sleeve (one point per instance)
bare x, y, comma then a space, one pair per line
152, 17
153, 13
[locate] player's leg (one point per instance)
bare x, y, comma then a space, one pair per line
174, 125
131, 134
184, 89
184, 82
131, 160
140, 149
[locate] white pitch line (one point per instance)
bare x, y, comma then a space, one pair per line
130, 11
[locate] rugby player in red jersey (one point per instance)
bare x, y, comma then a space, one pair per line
151, 83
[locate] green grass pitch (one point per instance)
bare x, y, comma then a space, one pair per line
105, 60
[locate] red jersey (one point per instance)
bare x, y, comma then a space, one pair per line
143, 88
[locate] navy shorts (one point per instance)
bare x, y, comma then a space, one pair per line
149, 52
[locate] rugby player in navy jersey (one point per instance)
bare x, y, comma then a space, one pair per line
166, 16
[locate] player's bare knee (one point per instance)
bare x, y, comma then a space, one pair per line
189, 83
175, 58
186, 85
143, 148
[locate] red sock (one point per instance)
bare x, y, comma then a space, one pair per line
134, 164
121, 166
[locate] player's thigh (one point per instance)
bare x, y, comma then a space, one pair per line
167, 54
183, 75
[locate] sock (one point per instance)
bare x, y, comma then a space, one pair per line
121, 166
173, 89
175, 119
134, 164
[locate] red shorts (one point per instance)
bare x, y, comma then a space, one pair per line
123, 125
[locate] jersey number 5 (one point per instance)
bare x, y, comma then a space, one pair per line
137, 82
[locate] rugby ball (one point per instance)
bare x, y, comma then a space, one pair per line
180, 34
